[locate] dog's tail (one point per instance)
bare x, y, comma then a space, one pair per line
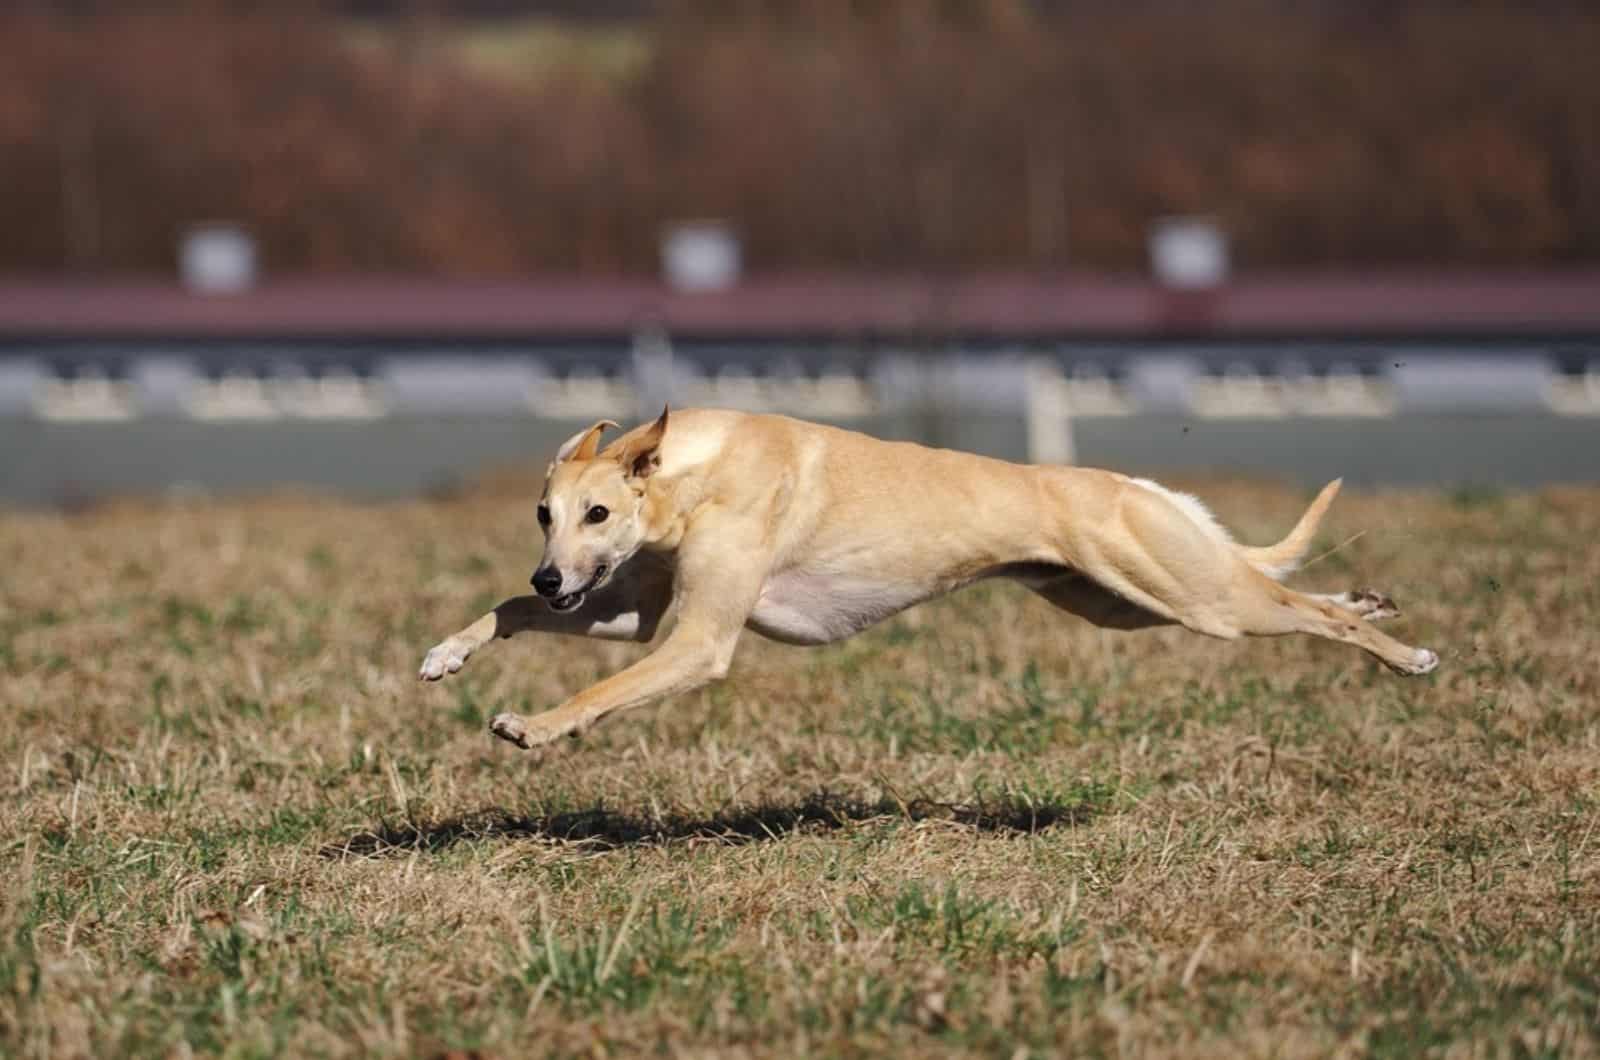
1277, 561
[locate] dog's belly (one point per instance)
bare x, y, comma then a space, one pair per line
798, 607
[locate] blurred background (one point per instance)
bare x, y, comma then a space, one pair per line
379, 247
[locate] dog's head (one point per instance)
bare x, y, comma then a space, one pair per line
593, 511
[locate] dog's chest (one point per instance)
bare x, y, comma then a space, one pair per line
807, 607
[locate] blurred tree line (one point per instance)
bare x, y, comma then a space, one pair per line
833, 133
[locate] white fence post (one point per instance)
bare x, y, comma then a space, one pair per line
1049, 415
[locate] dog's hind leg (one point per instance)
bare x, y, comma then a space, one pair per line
1149, 553
1262, 607
1091, 602
1251, 604
1370, 604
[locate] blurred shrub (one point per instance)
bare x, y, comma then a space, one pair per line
854, 133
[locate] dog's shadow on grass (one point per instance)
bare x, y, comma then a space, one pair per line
598, 830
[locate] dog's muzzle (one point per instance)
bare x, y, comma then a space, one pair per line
547, 583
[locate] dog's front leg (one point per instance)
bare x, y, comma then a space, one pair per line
719, 577
628, 609
687, 660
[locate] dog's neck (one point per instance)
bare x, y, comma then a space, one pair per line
669, 505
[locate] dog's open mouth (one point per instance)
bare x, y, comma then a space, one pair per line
572, 600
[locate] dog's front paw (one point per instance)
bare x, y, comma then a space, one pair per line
511, 727
528, 733
444, 658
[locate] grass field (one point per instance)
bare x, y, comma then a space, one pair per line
234, 823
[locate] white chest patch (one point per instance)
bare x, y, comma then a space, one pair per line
799, 607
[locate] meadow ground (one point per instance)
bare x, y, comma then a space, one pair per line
232, 822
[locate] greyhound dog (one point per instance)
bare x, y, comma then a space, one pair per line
808, 534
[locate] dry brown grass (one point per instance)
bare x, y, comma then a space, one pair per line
234, 823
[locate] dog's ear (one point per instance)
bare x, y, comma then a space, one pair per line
641, 456
584, 444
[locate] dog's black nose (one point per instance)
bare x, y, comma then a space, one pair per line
546, 581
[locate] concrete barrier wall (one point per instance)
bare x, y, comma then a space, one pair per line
373, 423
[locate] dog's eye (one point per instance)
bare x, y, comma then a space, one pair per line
544, 515
597, 514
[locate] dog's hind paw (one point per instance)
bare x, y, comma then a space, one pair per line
1422, 661
1371, 605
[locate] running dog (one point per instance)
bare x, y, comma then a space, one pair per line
809, 534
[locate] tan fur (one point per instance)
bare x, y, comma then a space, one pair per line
1276, 561
808, 534
584, 444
